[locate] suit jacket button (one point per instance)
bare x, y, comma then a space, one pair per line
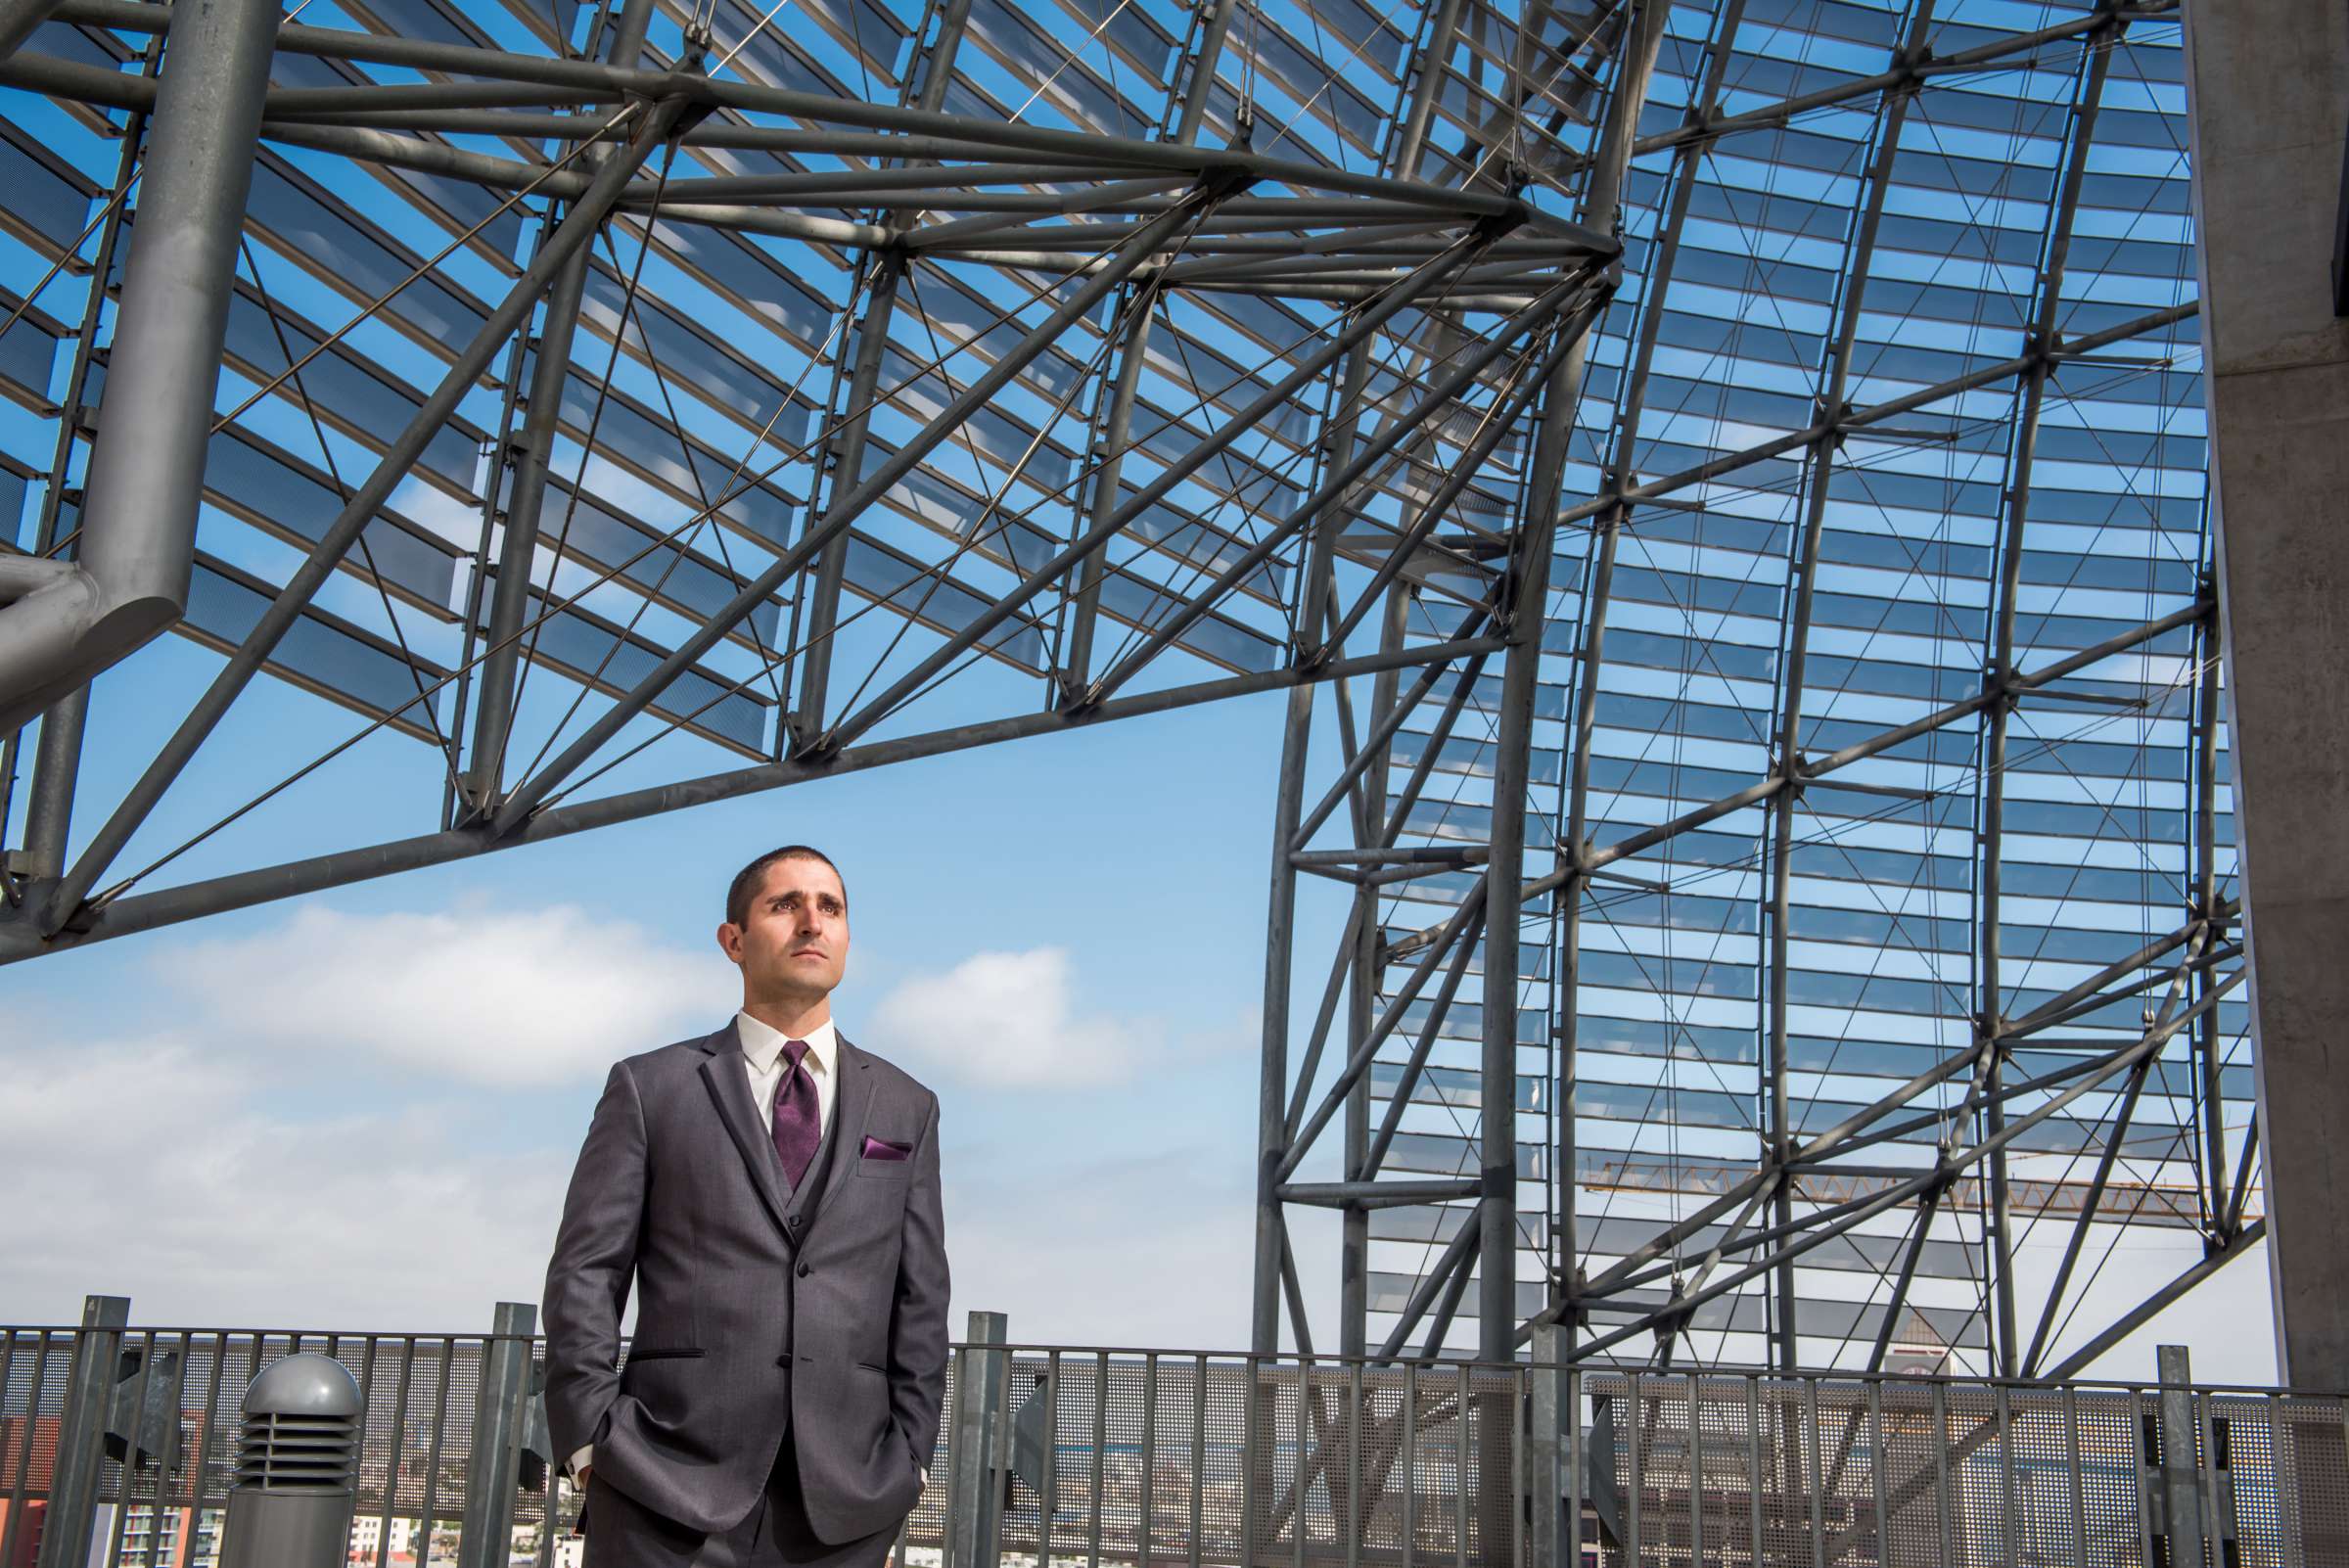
793, 1222
783, 1361
804, 1271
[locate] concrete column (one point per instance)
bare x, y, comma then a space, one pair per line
2268, 92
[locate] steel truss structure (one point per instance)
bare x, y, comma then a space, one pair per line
1799, 938
1730, 472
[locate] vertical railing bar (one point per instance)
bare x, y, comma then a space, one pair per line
8, 1372
367, 1402
196, 1477
232, 1430
1353, 1466
1144, 1529
1048, 1504
1696, 1471
1303, 1466
2071, 1460
1518, 1393
126, 1470
1093, 1543
1571, 1418
959, 1389
1460, 1465
994, 1465
212, 1428
1940, 1409
1875, 1469
163, 1476
2137, 1443
1815, 1481
1411, 1461
1248, 1423
332, 1351
400, 1433
129, 1470
1753, 1462
2206, 1429
2003, 1402
1198, 1453
552, 1513
432, 1456
2288, 1493
1635, 1504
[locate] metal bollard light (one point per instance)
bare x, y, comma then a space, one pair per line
297, 1467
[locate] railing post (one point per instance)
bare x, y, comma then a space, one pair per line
1546, 1406
485, 1532
975, 1461
2181, 1464
73, 1513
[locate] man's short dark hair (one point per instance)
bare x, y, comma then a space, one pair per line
748, 881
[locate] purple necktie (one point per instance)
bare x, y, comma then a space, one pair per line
798, 1125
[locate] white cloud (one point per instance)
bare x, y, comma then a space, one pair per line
501, 997
147, 1170
1011, 1020
1154, 1250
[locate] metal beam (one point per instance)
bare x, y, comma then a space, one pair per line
1594, 861
1527, 607
527, 795
1810, 1234
526, 503
20, 938
1777, 1128
57, 760
340, 536
841, 463
1399, 296
2145, 1310
20, 20
1891, 408
1447, 1279
1273, 1069
135, 556
1596, 592
1335, 488
1991, 776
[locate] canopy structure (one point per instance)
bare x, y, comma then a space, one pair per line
1722, 485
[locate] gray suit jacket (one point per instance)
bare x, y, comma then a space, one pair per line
757, 1308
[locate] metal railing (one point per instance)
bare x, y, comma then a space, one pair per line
117, 1446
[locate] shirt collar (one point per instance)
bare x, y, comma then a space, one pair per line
764, 1044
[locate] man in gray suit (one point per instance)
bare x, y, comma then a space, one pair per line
772, 1191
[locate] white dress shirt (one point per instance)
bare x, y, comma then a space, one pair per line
763, 1061
763, 1056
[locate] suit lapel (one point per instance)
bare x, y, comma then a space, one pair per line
850, 1117
729, 1086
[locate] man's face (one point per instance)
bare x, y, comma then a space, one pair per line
794, 941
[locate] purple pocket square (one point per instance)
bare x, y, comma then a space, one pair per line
882, 1149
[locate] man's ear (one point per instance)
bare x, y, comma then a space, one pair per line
729, 937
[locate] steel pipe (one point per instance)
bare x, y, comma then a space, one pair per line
135, 557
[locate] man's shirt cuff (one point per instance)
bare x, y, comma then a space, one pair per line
579, 1461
